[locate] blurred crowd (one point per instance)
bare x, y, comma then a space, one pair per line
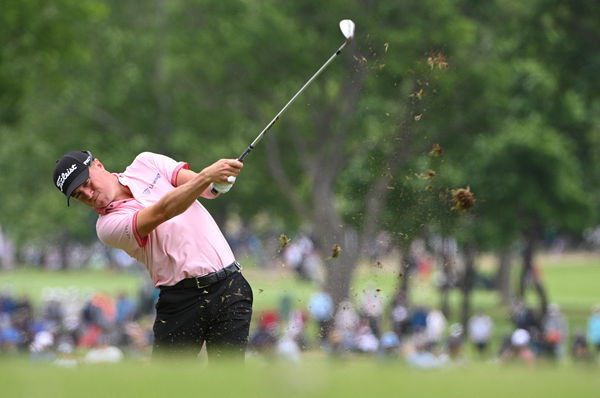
71, 326
420, 336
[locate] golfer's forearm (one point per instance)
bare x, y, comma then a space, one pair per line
172, 204
186, 176
182, 197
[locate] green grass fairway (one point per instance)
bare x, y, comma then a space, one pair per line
312, 378
571, 281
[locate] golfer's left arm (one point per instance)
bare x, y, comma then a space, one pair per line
186, 175
179, 199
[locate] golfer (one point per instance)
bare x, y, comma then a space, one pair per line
150, 211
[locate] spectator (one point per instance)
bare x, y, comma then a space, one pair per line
100, 311
104, 352
579, 349
293, 341
41, 349
148, 296
296, 328
295, 255
320, 307
372, 307
524, 318
519, 349
8, 304
593, 327
480, 331
454, 343
24, 322
418, 320
138, 339
285, 306
89, 336
345, 324
555, 331
264, 339
312, 266
53, 312
10, 337
435, 326
421, 356
365, 340
287, 348
389, 344
399, 316
125, 309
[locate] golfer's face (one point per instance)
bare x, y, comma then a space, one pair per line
95, 192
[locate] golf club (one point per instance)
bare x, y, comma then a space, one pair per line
347, 28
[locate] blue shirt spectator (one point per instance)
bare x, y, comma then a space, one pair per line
593, 328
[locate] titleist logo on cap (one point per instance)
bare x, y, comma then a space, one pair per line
63, 176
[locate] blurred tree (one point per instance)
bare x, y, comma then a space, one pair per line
41, 44
365, 127
198, 79
541, 186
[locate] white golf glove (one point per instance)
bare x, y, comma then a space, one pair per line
223, 187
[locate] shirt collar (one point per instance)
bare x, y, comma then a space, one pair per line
112, 206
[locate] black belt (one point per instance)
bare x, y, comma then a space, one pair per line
200, 282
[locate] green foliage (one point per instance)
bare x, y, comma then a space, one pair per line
526, 176
506, 88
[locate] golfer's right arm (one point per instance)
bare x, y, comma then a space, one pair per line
180, 198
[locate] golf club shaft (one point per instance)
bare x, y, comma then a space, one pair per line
276, 118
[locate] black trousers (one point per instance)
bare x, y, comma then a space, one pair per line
218, 314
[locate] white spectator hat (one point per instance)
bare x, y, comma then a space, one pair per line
520, 337
41, 341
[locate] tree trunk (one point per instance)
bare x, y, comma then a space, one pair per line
330, 231
405, 271
19, 255
340, 270
529, 273
323, 161
41, 259
503, 280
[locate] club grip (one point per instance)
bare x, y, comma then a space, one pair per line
246, 153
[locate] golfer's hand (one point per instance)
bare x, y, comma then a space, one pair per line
223, 187
223, 174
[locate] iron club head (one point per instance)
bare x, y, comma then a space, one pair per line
347, 28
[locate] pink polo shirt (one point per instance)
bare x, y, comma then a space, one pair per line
190, 244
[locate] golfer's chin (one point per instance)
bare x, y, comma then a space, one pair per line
100, 203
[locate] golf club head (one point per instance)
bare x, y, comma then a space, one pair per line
347, 28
